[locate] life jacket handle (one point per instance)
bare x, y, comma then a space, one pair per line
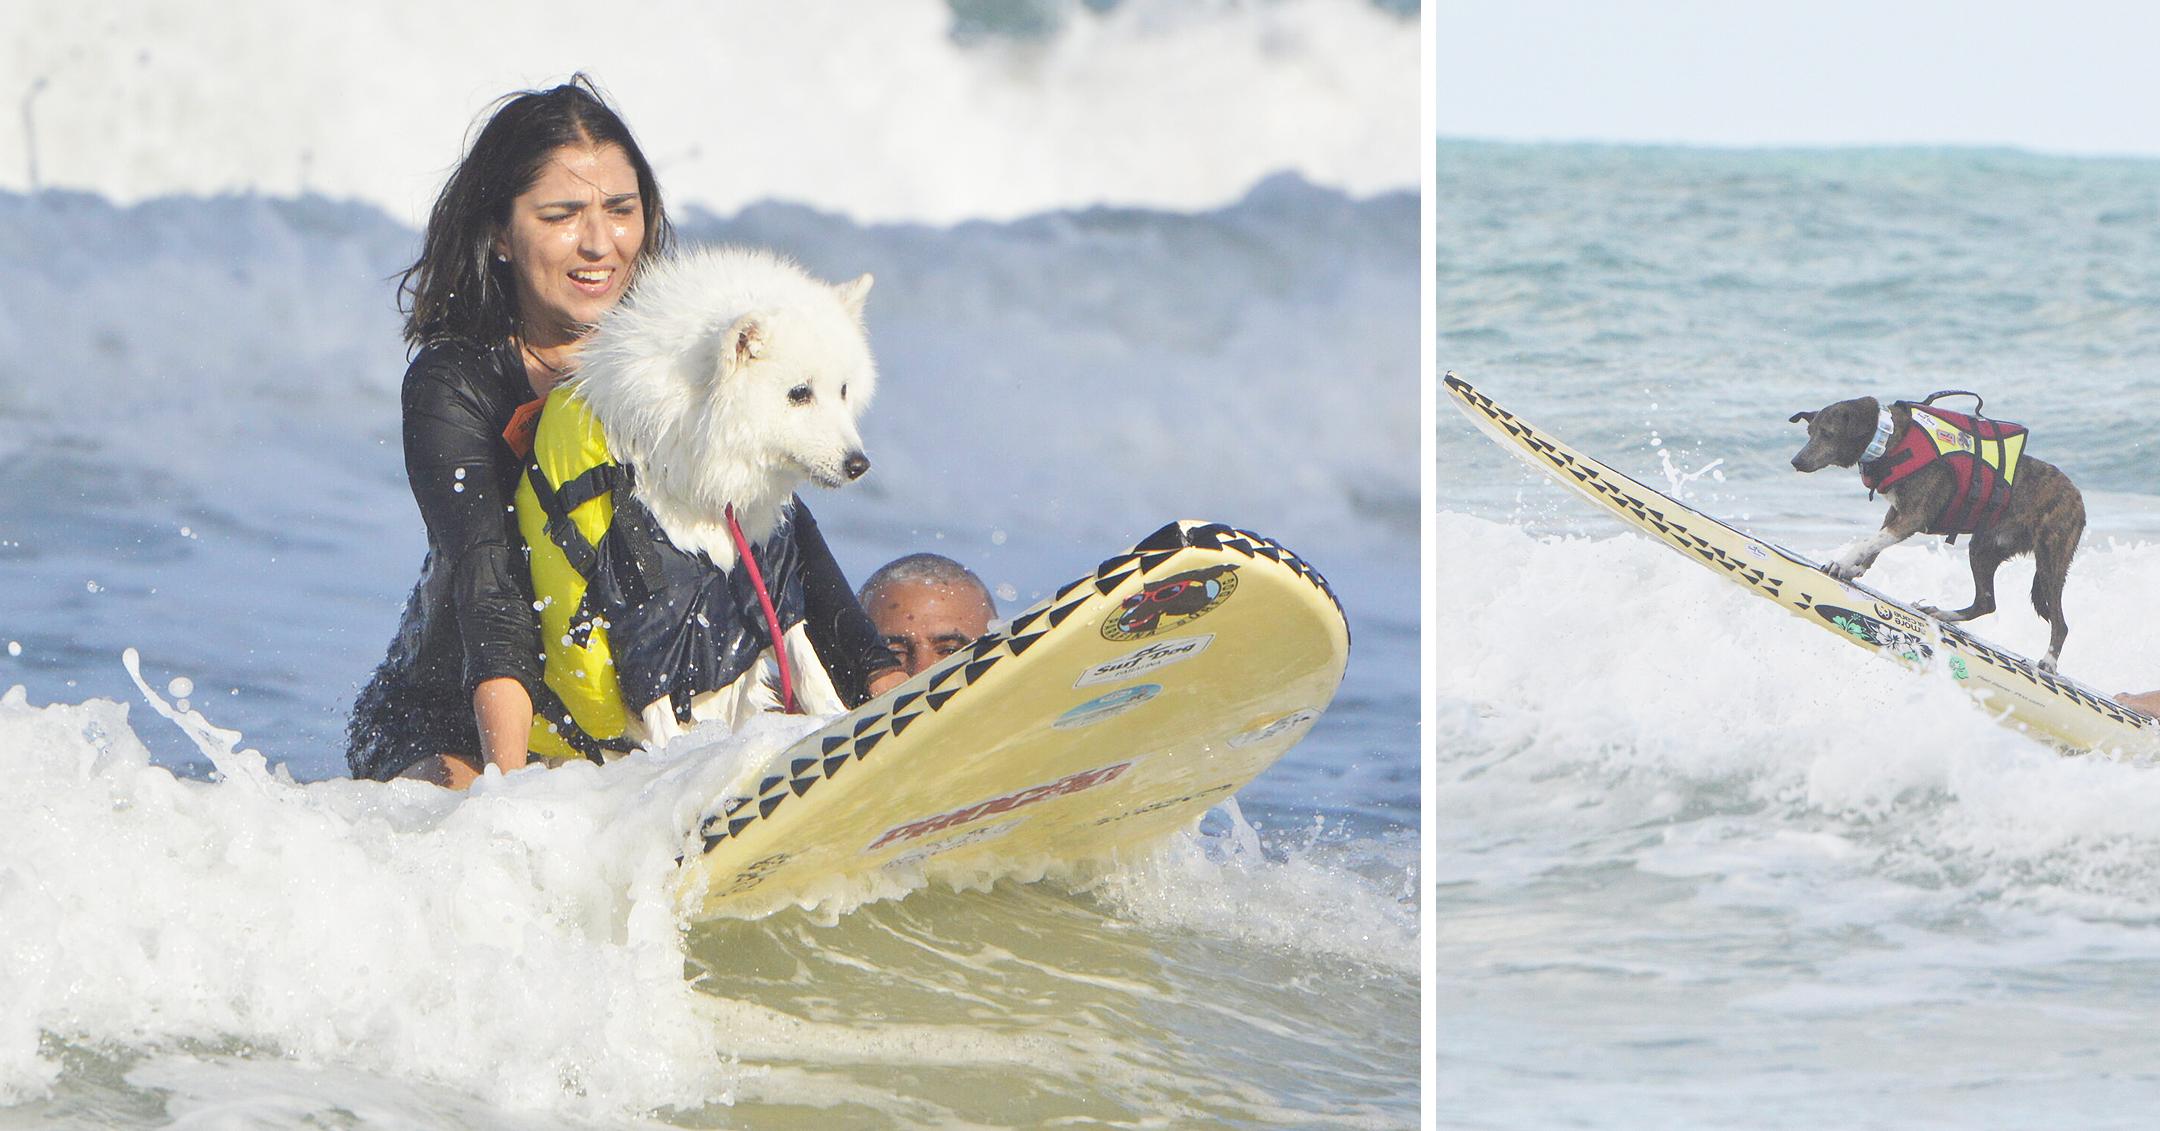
772, 618
1977, 402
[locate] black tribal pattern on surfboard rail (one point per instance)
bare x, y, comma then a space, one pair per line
1635, 498
854, 736
1609, 484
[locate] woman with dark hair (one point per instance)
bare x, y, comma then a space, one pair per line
537, 233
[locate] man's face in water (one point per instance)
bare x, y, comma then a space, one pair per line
924, 622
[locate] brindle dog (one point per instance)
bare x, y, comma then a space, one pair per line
2045, 518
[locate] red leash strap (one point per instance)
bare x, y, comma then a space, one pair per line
772, 619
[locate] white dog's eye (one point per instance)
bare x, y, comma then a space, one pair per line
800, 395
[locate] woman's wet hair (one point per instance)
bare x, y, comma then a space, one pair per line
457, 288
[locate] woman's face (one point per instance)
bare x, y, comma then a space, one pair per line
572, 240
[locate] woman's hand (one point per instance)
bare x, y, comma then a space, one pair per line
504, 712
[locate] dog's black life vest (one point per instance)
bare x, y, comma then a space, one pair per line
1982, 455
627, 618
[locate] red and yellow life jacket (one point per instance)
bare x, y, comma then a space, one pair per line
1983, 455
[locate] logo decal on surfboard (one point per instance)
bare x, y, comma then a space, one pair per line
1107, 706
1160, 654
1901, 618
1881, 634
917, 855
1276, 729
1171, 602
1069, 784
1162, 803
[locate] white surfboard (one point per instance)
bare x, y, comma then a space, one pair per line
1099, 721
2047, 706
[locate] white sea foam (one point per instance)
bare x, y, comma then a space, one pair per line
484, 944
1320, 907
873, 110
490, 941
1708, 827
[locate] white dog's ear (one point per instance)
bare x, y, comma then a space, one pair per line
853, 292
745, 342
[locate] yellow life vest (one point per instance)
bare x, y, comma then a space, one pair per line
570, 461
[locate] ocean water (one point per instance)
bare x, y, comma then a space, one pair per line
205, 924
1696, 865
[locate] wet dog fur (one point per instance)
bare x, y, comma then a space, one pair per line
728, 379
2045, 518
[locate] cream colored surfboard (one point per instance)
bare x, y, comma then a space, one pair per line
1099, 721
2050, 707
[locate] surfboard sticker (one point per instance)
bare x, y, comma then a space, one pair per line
1167, 802
1171, 602
1276, 729
753, 875
1159, 654
1878, 633
1107, 706
2049, 706
980, 833
1069, 784
1092, 724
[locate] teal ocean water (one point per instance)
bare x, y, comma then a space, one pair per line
1699, 866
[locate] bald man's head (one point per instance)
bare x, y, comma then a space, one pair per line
927, 607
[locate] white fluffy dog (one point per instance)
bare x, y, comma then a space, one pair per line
727, 378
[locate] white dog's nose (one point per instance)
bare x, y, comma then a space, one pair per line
854, 466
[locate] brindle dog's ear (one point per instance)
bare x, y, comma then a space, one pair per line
1801, 417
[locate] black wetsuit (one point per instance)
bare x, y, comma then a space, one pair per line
470, 617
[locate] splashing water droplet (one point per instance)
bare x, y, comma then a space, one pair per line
181, 687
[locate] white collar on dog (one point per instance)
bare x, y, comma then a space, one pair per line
1885, 426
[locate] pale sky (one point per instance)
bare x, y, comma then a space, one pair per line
2068, 76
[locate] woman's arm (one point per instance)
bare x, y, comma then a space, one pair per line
504, 710
853, 652
458, 467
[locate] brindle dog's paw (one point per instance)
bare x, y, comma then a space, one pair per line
1843, 571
